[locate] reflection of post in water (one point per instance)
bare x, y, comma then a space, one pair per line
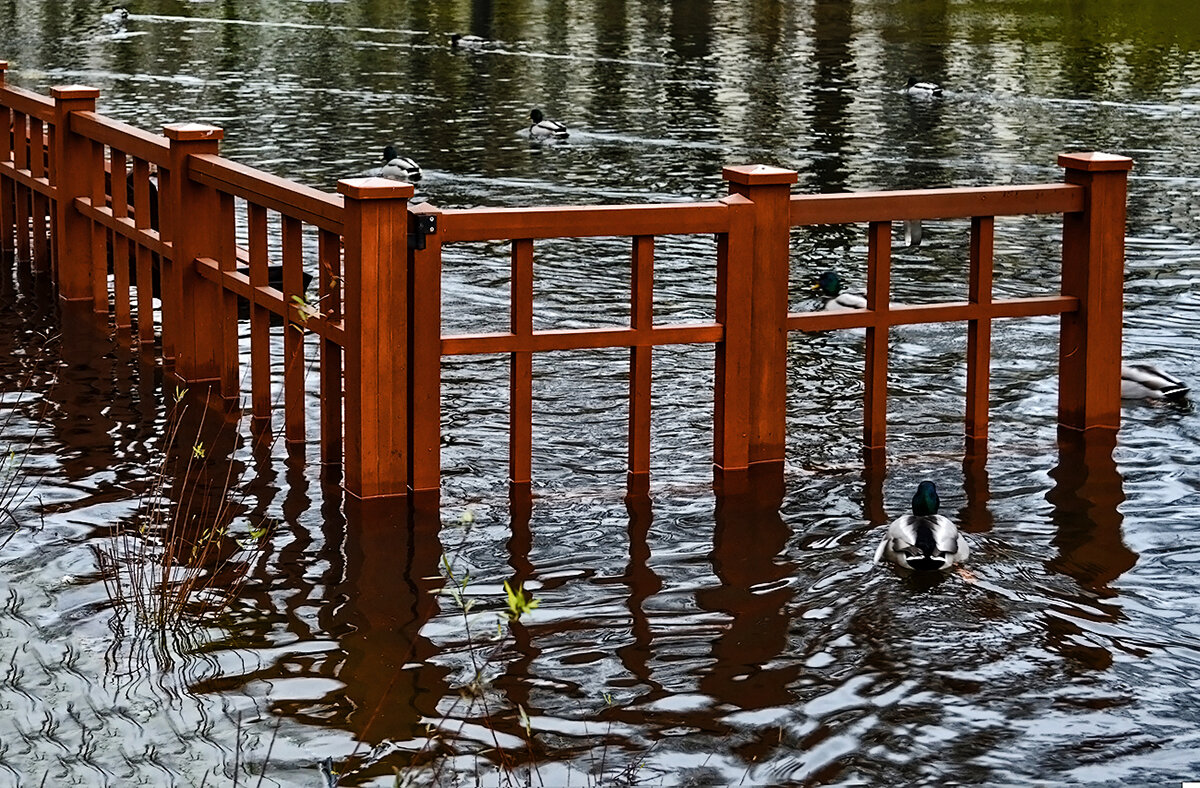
642, 584
830, 119
873, 473
1085, 496
514, 683
754, 592
976, 517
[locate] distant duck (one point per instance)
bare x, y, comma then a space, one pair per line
116, 18
540, 128
923, 540
1142, 381
468, 42
922, 89
830, 285
397, 167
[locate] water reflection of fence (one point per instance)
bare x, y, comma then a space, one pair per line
377, 310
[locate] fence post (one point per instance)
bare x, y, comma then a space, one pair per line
731, 411
191, 305
376, 320
769, 188
8, 202
1089, 392
425, 357
71, 174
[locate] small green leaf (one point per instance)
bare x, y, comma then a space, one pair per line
198, 451
519, 602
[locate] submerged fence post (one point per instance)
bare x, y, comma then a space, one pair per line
1089, 393
376, 320
191, 304
71, 174
769, 188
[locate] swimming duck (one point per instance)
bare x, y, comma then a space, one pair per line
397, 167
1142, 381
923, 540
467, 42
540, 128
830, 285
922, 89
116, 18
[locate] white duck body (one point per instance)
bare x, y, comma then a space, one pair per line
924, 540
116, 18
922, 89
544, 129
397, 167
1142, 381
468, 42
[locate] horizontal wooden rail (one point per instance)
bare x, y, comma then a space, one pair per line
272, 192
944, 312
238, 282
32, 104
501, 224
41, 185
142, 236
809, 209
128, 139
582, 339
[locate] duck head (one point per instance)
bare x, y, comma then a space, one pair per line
536, 116
925, 502
829, 283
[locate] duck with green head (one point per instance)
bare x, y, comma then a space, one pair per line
923, 540
830, 285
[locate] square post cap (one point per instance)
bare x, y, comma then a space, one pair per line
68, 92
375, 189
191, 132
759, 175
1094, 162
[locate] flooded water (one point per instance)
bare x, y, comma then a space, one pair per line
678, 640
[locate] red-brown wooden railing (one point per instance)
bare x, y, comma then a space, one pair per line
377, 313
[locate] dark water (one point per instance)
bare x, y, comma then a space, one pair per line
677, 640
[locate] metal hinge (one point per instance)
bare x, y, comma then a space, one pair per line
419, 226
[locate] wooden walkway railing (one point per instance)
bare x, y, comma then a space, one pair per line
377, 307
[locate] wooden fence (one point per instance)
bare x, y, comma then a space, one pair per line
377, 306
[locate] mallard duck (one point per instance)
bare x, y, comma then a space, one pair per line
397, 167
540, 128
116, 18
922, 89
923, 540
830, 285
1142, 381
467, 42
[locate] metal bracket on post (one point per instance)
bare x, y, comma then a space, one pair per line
419, 226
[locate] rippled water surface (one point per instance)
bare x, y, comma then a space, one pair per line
678, 640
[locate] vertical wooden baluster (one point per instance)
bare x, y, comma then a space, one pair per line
640, 356
40, 204
142, 212
731, 411
1093, 271
98, 261
329, 287
120, 252
227, 246
21, 159
293, 332
979, 335
520, 379
425, 361
878, 297
260, 322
